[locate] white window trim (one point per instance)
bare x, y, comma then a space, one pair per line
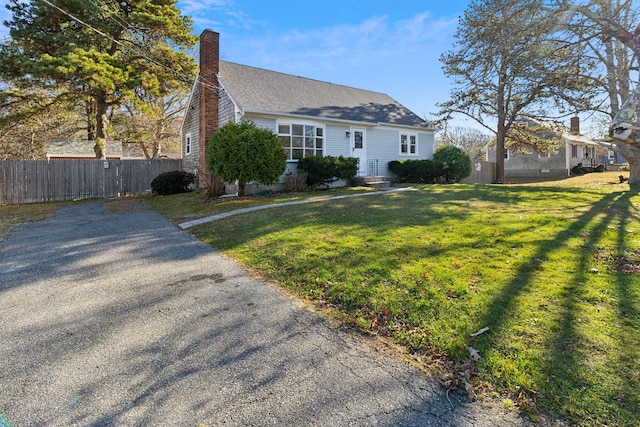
187, 143
317, 125
408, 153
507, 154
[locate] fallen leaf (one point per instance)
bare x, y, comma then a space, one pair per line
469, 389
473, 353
481, 331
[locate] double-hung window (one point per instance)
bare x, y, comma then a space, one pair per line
300, 140
408, 144
574, 151
187, 143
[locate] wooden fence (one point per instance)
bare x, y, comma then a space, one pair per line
482, 173
35, 181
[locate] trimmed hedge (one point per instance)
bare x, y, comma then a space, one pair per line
173, 182
322, 171
417, 171
449, 164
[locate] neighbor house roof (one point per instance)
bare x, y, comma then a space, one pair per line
578, 139
256, 90
64, 149
559, 131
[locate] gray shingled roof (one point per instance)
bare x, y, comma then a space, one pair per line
259, 90
65, 148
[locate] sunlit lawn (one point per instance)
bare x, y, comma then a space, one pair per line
552, 270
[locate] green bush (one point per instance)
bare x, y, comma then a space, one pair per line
578, 170
245, 152
322, 171
456, 164
172, 182
420, 171
395, 167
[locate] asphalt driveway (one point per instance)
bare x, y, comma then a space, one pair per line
124, 319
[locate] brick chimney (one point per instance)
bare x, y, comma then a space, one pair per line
208, 93
575, 125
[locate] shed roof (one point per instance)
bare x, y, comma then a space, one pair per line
82, 149
259, 90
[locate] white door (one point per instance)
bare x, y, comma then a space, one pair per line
358, 150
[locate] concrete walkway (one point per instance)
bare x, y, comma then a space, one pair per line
125, 320
189, 224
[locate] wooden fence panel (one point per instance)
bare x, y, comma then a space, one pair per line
482, 173
34, 181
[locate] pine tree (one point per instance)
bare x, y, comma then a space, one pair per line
100, 53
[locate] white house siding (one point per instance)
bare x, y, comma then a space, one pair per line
265, 123
336, 141
425, 145
383, 145
191, 126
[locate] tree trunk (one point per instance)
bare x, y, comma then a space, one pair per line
91, 127
240, 188
626, 132
631, 152
501, 133
101, 124
156, 148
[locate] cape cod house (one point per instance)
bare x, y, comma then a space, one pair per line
531, 165
311, 117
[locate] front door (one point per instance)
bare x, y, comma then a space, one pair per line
358, 150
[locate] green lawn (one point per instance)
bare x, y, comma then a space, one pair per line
553, 271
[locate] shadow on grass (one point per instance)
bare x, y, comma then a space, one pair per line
571, 357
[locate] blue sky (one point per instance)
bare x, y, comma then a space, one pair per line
384, 46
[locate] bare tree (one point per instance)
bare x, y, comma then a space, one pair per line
30, 119
472, 141
156, 129
507, 62
603, 29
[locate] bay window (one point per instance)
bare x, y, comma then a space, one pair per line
301, 140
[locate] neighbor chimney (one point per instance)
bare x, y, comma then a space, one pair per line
575, 125
208, 93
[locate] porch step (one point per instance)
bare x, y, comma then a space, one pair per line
371, 181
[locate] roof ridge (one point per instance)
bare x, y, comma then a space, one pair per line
307, 78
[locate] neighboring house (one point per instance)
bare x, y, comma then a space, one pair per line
310, 116
612, 157
575, 149
82, 150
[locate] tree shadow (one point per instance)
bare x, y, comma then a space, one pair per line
568, 351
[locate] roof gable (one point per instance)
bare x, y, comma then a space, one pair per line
259, 90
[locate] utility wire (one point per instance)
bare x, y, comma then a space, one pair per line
198, 78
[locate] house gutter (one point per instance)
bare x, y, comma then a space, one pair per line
271, 114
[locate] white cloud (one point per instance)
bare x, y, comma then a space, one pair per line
215, 13
190, 7
371, 41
